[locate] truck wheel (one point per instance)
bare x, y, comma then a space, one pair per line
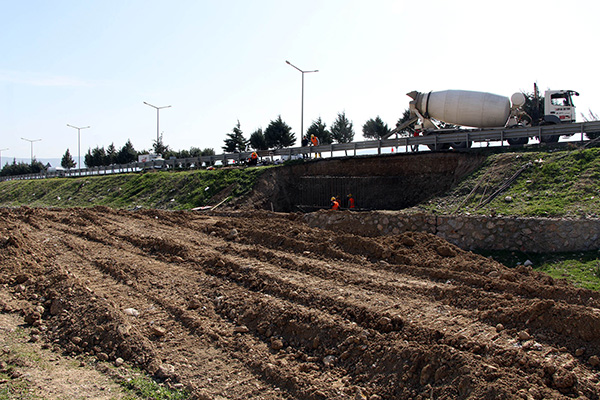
518, 141
592, 135
549, 138
443, 146
461, 145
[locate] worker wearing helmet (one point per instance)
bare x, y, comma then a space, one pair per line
253, 158
335, 205
351, 204
315, 142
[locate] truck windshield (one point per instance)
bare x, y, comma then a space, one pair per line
561, 99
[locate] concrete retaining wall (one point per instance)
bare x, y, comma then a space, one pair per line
536, 235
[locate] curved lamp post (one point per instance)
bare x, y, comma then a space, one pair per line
302, 103
157, 118
78, 143
31, 141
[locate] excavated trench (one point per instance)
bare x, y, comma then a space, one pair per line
388, 182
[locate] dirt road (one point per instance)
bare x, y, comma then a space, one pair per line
260, 306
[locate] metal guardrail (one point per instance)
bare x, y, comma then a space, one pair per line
473, 135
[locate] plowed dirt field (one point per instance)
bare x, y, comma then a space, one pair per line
257, 305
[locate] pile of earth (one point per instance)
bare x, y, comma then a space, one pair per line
257, 305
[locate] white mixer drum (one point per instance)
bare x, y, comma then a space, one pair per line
465, 108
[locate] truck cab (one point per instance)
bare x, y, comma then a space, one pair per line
559, 107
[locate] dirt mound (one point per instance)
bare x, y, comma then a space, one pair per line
258, 305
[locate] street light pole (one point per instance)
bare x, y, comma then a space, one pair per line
157, 118
31, 141
302, 104
1, 150
78, 143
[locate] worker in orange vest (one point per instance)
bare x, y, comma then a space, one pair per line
335, 205
315, 142
351, 204
253, 159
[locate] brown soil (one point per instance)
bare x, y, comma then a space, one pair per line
34, 371
257, 305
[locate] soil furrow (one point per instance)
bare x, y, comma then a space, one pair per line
261, 306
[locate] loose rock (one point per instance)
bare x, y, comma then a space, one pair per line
524, 335
132, 311
158, 331
165, 371
329, 361
564, 379
276, 344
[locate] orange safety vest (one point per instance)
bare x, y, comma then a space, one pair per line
351, 202
335, 205
314, 140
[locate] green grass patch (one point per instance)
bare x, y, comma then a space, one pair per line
157, 189
580, 268
143, 387
16, 389
534, 184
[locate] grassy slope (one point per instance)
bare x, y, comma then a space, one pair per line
558, 184
165, 190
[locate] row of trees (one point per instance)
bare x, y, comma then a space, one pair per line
278, 134
99, 156
22, 168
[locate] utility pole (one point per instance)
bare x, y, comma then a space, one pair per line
157, 119
31, 141
78, 143
1, 150
302, 102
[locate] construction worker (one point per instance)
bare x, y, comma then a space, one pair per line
304, 144
335, 205
351, 204
315, 142
253, 158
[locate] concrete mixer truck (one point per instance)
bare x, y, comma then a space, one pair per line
451, 111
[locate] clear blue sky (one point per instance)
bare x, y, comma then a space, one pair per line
216, 62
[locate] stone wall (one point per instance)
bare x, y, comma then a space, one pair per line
535, 235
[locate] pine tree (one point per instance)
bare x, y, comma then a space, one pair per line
160, 148
127, 154
375, 129
67, 161
342, 130
236, 142
258, 141
319, 129
279, 134
111, 154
